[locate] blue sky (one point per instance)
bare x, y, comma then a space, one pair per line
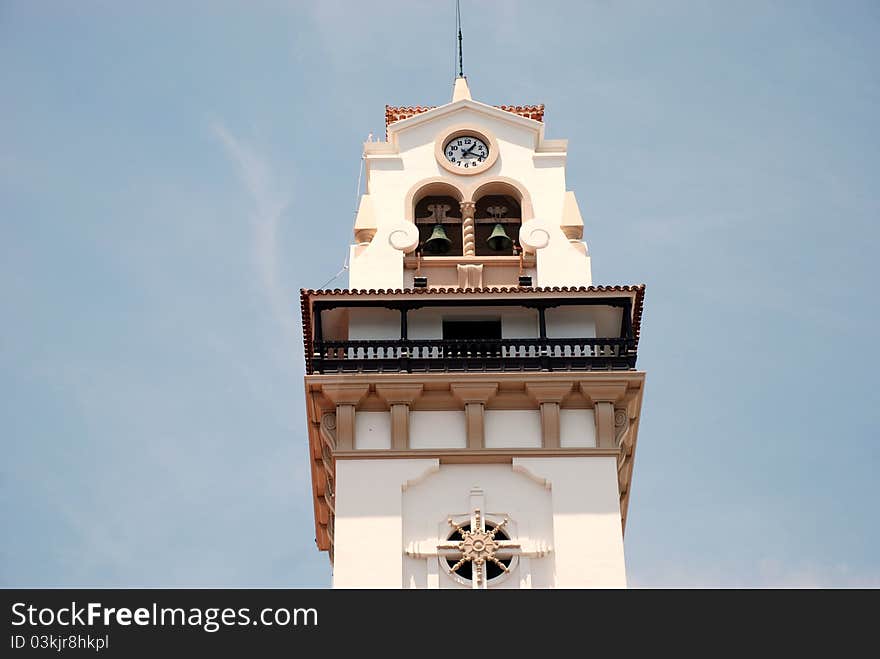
172, 173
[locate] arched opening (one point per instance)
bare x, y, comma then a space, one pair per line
497, 218
438, 217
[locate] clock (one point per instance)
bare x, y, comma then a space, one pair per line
464, 150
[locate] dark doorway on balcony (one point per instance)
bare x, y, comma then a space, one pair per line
471, 329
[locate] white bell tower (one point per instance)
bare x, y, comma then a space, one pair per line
472, 398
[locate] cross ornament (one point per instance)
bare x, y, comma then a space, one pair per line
480, 544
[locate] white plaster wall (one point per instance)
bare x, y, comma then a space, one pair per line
512, 428
368, 550
366, 324
577, 428
516, 322
428, 504
391, 176
567, 505
559, 263
587, 535
608, 320
437, 429
372, 430
570, 322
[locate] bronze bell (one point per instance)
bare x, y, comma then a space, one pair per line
499, 241
439, 242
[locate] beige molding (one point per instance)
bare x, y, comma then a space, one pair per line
411, 262
528, 473
603, 391
399, 393
345, 427
549, 396
507, 391
328, 429
550, 425
586, 379
432, 469
549, 392
476, 433
499, 390
604, 424
485, 455
621, 426
399, 426
399, 398
474, 397
474, 392
345, 397
345, 394
470, 275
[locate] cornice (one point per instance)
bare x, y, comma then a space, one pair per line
470, 456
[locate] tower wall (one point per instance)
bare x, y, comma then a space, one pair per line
398, 169
472, 399
563, 511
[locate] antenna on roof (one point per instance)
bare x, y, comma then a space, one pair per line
458, 25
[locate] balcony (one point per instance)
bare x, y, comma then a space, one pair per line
412, 331
473, 355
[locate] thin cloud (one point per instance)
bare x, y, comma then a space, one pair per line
270, 202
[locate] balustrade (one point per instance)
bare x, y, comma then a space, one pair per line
416, 355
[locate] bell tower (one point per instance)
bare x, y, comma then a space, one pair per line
472, 398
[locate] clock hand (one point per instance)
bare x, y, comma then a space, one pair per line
467, 152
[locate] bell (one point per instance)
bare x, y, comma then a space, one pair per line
439, 242
499, 241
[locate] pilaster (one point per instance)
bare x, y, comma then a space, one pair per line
346, 398
603, 396
399, 398
474, 397
549, 396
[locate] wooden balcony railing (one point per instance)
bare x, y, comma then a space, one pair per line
444, 355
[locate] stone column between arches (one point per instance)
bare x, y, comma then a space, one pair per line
469, 245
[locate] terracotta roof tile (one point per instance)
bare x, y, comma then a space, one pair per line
399, 113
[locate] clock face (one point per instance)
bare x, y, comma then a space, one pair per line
466, 151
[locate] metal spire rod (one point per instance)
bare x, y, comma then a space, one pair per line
458, 24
